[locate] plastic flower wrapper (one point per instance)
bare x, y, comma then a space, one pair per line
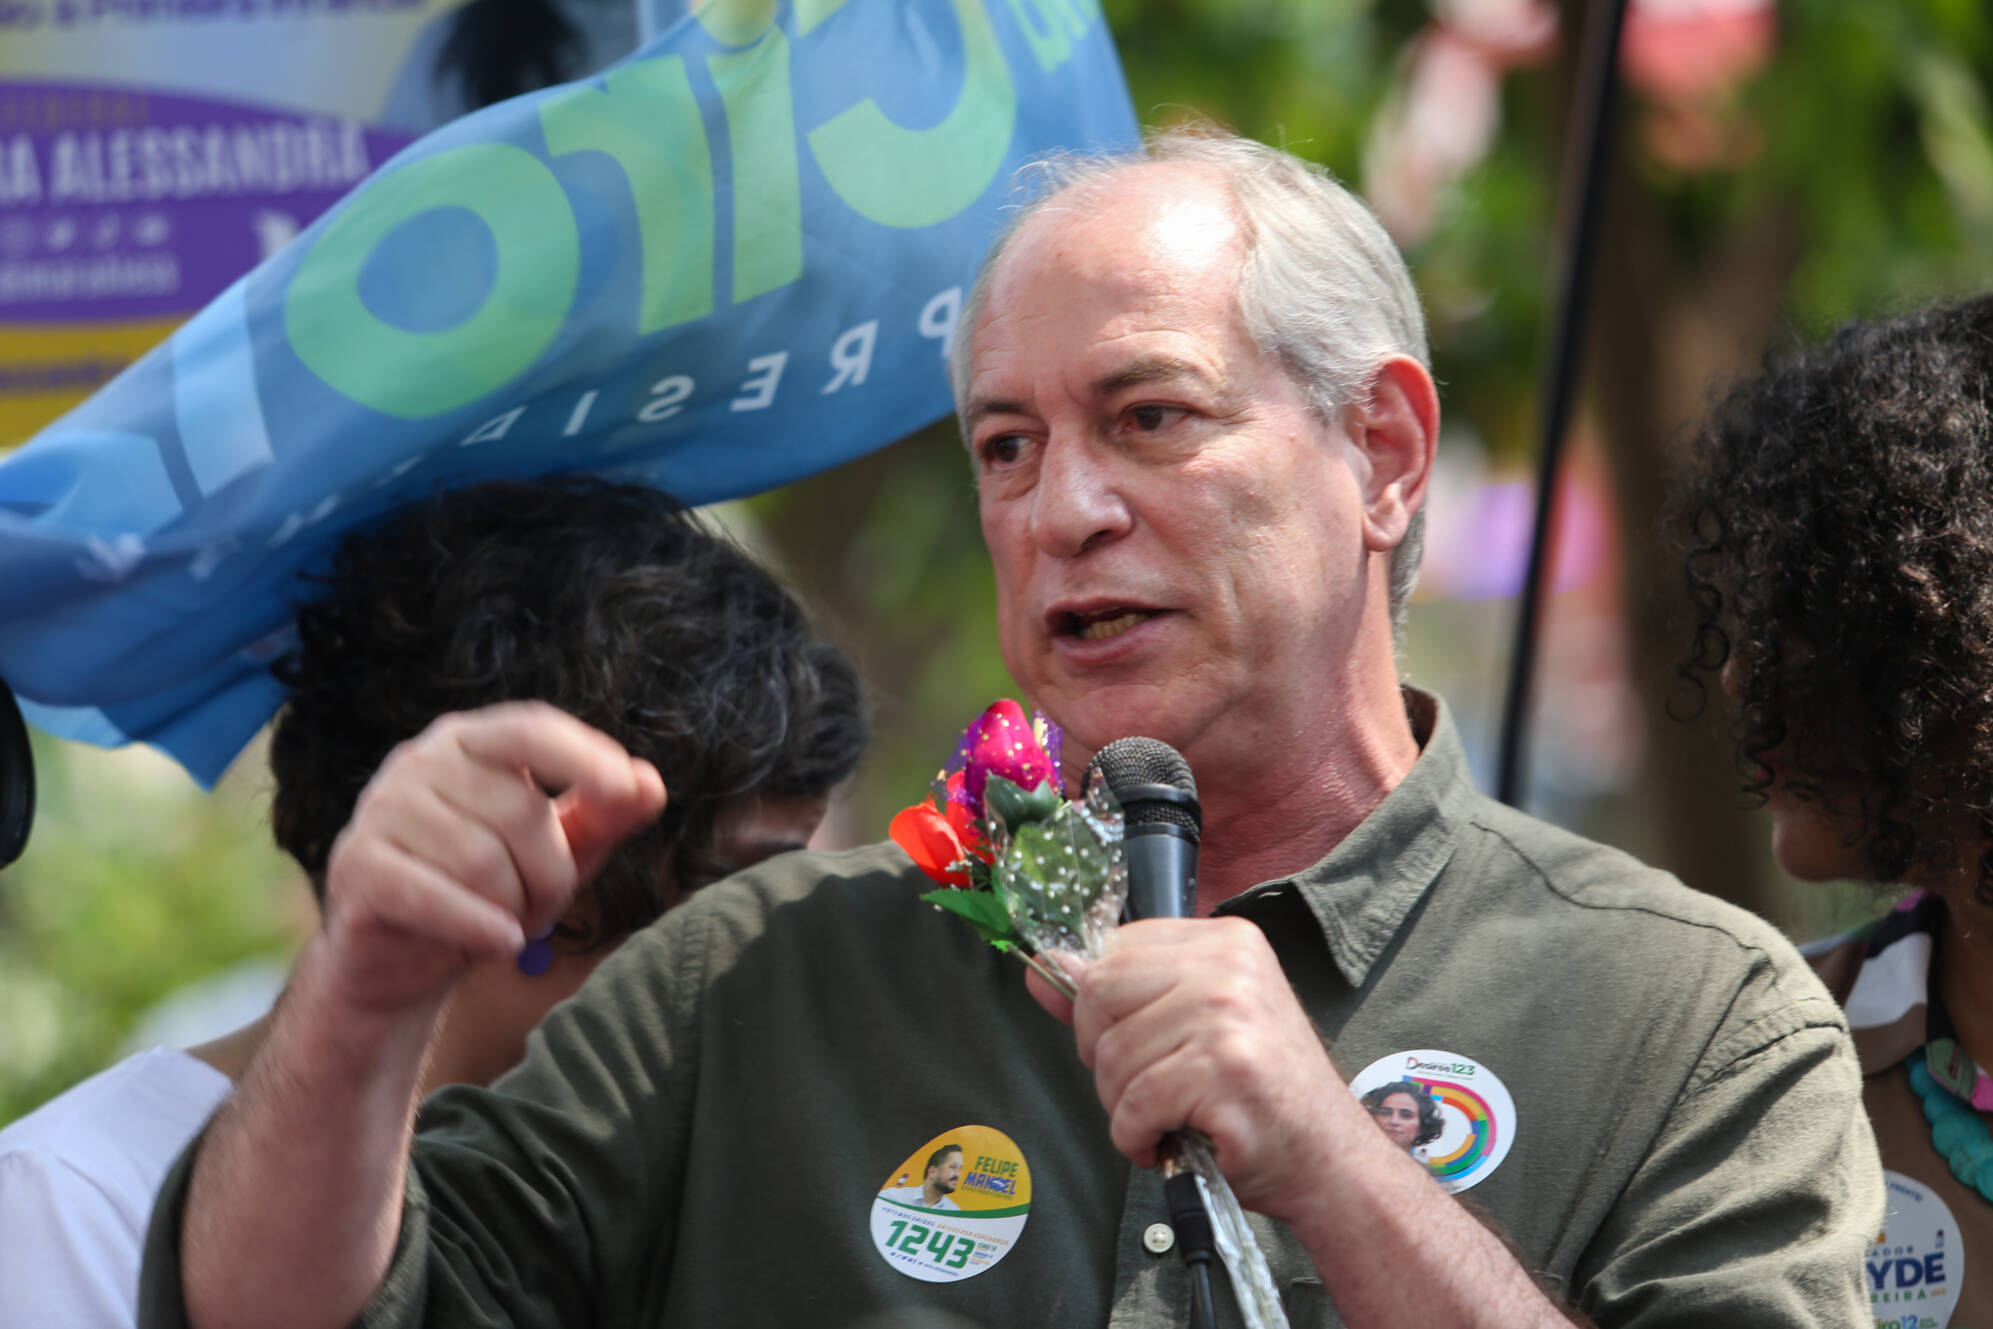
1038, 876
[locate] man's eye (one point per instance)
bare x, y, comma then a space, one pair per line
1003, 449
1148, 419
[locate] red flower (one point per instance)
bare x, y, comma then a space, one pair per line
931, 843
1001, 743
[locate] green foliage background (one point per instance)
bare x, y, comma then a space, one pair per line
134, 885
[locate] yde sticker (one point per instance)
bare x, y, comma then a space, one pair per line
1917, 1263
1447, 1111
955, 1207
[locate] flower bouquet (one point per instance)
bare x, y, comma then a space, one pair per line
1036, 874
1029, 870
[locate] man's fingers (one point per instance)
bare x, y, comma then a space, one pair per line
1150, 1036
410, 896
1054, 1001
1153, 1104
518, 818
1151, 957
596, 819
558, 750
1165, 932
1120, 984
605, 795
427, 826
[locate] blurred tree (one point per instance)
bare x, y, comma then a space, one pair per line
134, 884
1853, 176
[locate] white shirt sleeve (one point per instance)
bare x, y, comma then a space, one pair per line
69, 1251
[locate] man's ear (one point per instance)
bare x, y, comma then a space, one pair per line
1397, 430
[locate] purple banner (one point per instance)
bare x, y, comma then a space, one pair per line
117, 204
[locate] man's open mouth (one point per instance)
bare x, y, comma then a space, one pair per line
1101, 624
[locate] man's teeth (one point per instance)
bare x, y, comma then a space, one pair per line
1102, 628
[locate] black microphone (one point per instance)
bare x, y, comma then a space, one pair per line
1163, 827
1158, 797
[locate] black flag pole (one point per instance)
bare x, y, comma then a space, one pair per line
17, 779
1588, 158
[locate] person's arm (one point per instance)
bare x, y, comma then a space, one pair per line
295, 1200
454, 854
1760, 1196
1190, 1022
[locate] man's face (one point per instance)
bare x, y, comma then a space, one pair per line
1176, 535
946, 1175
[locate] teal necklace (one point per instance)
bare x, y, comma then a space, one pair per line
1958, 1132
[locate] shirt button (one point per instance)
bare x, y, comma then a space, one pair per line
1159, 1237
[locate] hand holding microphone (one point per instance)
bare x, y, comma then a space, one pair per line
1190, 1022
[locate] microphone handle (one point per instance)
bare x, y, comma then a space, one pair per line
1162, 883
1162, 873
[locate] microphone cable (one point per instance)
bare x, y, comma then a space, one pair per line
1195, 1240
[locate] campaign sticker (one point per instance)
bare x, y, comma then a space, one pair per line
1449, 1112
1917, 1263
955, 1207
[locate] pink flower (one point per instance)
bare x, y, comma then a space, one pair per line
1000, 742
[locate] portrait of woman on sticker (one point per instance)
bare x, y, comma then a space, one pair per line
1406, 1114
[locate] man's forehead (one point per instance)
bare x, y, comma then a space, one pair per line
1141, 223
1154, 252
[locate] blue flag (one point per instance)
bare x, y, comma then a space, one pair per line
732, 260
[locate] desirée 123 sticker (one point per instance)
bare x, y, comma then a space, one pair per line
1449, 1112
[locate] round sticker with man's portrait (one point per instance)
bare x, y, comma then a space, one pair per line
955, 1207
1449, 1112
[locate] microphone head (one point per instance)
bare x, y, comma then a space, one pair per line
1152, 782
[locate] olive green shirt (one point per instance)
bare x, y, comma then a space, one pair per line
698, 1138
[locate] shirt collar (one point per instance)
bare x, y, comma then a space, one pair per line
1363, 890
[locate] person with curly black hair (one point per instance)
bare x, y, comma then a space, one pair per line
607, 602
1840, 530
1406, 1113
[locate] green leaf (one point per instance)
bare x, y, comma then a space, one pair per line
1057, 869
982, 909
1019, 807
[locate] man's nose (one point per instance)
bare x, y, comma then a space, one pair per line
1078, 504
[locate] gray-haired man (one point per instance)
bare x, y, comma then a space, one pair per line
1195, 400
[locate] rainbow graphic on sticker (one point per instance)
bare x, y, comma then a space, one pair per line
1484, 1133
1449, 1112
